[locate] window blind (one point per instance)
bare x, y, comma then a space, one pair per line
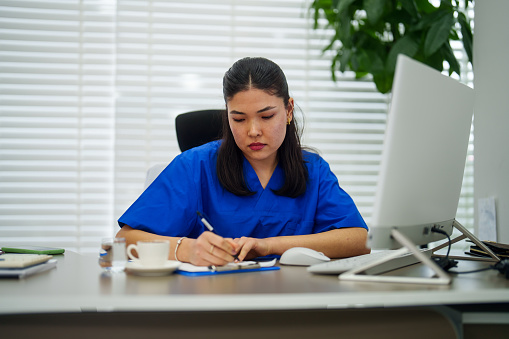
57, 114
91, 89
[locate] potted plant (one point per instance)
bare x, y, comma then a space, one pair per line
369, 34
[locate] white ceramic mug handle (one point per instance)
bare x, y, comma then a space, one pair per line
130, 255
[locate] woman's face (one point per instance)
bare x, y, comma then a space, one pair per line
258, 123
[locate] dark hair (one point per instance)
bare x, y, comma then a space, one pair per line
265, 75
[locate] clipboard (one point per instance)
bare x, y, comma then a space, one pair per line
242, 267
200, 274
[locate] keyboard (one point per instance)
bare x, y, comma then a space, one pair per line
346, 264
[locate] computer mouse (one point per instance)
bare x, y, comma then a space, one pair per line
302, 256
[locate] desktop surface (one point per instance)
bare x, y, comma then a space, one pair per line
77, 284
77, 297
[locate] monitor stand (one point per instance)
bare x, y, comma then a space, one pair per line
440, 277
467, 234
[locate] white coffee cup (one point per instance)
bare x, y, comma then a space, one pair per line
150, 253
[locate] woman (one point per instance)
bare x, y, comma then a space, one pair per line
262, 193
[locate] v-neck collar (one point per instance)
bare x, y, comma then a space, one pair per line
275, 181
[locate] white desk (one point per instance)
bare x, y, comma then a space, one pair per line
78, 291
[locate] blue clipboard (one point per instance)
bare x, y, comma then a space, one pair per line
212, 272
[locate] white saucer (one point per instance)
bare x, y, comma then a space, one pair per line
137, 269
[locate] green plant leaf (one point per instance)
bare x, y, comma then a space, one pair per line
331, 44
447, 52
343, 28
411, 7
438, 34
397, 17
429, 19
333, 68
344, 60
436, 61
354, 62
359, 75
466, 32
453, 35
383, 82
343, 5
376, 62
425, 6
365, 62
315, 8
406, 45
370, 34
374, 10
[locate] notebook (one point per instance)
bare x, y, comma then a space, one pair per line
241, 267
23, 265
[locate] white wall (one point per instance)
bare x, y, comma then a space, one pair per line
491, 115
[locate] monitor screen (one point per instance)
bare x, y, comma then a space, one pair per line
423, 157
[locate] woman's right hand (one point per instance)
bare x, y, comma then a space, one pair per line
208, 249
211, 249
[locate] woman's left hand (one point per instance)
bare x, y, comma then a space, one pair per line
252, 248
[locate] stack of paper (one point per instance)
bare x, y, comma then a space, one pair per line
22, 265
501, 250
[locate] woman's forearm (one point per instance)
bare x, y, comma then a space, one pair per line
132, 235
338, 243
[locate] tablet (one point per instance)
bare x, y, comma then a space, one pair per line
33, 250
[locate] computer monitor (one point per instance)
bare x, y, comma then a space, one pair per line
421, 173
423, 157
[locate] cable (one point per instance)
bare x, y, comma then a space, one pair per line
474, 271
437, 230
503, 267
446, 263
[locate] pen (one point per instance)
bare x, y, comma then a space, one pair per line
210, 228
205, 222
214, 268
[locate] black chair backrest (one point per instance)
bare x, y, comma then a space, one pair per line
198, 127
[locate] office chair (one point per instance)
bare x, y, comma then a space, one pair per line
198, 127
193, 129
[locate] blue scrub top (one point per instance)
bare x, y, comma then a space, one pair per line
189, 184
